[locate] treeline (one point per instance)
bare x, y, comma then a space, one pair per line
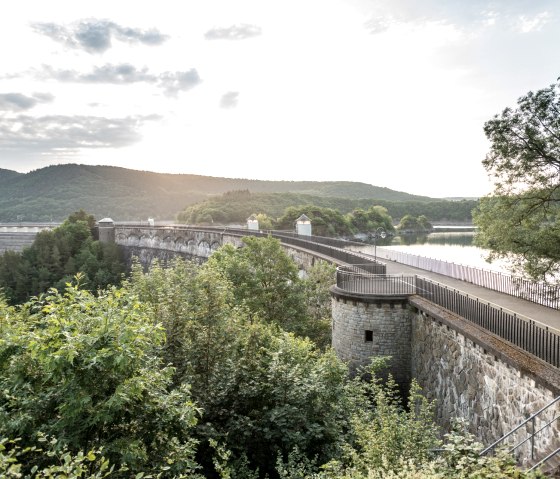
210, 371
54, 192
56, 256
237, 206
329, 221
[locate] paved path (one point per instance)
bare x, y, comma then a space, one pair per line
542, 314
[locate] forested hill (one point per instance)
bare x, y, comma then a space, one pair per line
8, 174
54, 192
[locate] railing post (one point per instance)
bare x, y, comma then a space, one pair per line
533, 437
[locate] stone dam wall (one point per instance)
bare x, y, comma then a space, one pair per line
474, 375
468, 372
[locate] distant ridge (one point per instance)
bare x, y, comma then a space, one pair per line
8, 174
53, 192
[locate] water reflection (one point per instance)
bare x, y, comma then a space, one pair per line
447, 238
455, 247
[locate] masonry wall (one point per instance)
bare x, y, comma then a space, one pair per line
388, 322
15, 241
473, 375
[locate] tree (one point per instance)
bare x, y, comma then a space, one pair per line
411, 224
368, 221
56, 256
521, 220
262, 391
87, 371
316, 285
265, 221
325, 221
266, 281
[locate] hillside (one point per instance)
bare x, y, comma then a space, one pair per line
8, 174
237, 207
52, 193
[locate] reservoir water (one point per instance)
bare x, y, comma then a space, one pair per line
452, 246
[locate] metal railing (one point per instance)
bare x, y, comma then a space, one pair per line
536, 338
330, 247
357, 279
529, 437
527, 334
536, 292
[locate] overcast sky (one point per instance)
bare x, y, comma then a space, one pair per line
393, 93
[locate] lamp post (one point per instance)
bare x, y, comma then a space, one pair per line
379, 233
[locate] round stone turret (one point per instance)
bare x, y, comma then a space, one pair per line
106, 230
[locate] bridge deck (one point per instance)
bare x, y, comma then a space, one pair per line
542, 314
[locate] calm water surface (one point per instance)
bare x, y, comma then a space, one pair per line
455, 247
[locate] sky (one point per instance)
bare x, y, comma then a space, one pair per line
393, 93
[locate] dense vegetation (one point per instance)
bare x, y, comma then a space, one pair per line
521, 220
56, 256
54, 192
237, 206
411, 224
219, 370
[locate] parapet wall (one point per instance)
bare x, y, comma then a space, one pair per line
467, 371
475, 375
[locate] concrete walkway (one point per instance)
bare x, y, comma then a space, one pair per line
528, 309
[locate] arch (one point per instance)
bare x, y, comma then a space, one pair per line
204, 248
168, 242
132, 240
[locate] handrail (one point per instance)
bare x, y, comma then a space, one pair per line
537, 292
353, 279
545, 459
484, 301
532, 435
525, 333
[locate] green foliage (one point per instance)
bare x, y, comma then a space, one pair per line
325, 221
521, 221
276, 392
265, 222
396, 442
411, 224
196, 307
65, 464
316, 284
186, 371
56, 256
518, 229
52, 193
367, 221
263, 391
87, 371
266, 281
237, 208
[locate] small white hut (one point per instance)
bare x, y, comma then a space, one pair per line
252, 223
303, 226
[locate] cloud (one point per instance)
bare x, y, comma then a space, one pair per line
124, 73
522, 15
229, 99
95, 36
235, 32
59, 135
173, 83
20, 102
534, 23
